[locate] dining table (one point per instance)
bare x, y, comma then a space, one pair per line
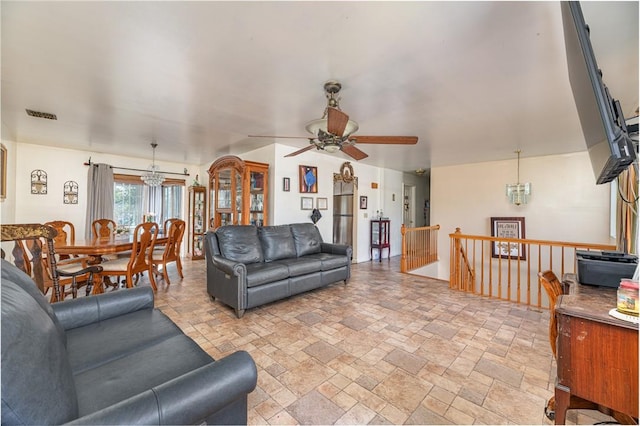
97, 248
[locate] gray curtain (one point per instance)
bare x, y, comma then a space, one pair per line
99, 195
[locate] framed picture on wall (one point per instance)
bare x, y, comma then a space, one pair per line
306, 203
363, 202
322, 203
308, 179
286, 184
508, 228
3, 172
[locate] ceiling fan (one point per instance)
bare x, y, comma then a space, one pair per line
334, 131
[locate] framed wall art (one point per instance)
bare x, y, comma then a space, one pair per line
508, 227
71, 192
322, 203
306, 203
3, 172
38, 182
363, 202
286, 184
308, 179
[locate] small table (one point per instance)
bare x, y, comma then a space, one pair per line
597, 354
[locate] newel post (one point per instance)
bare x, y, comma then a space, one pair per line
455, 260
403, 257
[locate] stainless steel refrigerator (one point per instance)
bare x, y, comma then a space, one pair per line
343, 212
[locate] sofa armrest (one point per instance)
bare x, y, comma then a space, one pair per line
229, 267
188, 399
75, 313
337, 249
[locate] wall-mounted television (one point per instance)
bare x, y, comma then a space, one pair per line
610, 148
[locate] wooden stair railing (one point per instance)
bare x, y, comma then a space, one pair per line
419, 247
476, 268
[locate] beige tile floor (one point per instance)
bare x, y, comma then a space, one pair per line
388, 348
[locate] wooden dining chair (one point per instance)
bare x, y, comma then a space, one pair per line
554, 289
34, 254
66, 234
171, 250
167, 223
140, 259
103, 227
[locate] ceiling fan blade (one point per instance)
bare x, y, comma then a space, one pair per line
278, 137
392, 140
336, 121
353, 152
300, 151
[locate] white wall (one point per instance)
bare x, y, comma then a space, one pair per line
63, 165
284, 207
566, 204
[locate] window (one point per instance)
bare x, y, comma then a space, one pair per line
133, 199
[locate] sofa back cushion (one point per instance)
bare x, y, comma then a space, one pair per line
11, 273
277, 242
307, 238
240, 243
37, 384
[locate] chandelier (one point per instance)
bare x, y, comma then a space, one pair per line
152, 176
518, 193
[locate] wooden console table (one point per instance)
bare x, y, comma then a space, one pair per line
597, 354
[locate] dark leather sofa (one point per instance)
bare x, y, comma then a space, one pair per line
110, 359
249, 266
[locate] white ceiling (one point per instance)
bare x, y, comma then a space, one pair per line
473, 80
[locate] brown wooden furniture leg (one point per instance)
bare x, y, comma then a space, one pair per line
563, 398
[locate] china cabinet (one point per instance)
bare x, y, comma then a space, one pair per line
238, 192
197, 221
380, 237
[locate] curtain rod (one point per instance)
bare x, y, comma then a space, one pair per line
89, 163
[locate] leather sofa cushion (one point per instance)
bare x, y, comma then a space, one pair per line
307, 238
139, 371
261, 273
302, 265
105, 341
277, 242
37, 383
330, 261
240, 243
11, 273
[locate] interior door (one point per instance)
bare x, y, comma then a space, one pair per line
408, 205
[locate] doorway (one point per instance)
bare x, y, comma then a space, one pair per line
408, 205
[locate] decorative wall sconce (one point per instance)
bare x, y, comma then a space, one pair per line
71, 192
38, 182
518, 193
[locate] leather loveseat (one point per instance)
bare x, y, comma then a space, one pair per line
249, 266
110, 359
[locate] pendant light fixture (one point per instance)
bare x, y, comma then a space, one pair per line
152, 177
518, 193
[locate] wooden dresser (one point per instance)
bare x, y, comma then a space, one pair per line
597, 354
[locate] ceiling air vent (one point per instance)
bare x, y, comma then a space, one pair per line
39, 114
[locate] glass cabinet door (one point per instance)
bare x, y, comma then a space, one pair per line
257, 200
196, 221
239, 192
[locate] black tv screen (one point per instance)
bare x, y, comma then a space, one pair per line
610, 148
